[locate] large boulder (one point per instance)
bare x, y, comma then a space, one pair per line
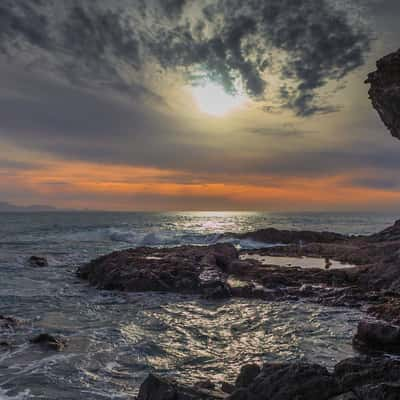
385, 91
157, 388
361, 371
377, 335
289, 381
383, 391
248, 373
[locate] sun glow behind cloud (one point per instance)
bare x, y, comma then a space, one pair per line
212, 99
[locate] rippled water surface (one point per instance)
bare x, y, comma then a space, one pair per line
116, 339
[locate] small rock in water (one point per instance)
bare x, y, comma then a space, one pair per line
8, 322
247, 375
38, 262
227, 387
49, 342
4, 345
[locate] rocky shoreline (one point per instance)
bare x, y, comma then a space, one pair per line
370, 281
357, 378
219, 272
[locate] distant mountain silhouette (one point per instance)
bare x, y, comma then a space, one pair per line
7, 207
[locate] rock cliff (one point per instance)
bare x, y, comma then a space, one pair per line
385, 91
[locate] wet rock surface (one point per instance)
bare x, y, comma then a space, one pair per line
272, 235
187, 269
356, 378
377, 335
385, 91
158, 388
364, 370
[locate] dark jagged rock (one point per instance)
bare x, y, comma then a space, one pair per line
157, 388
288, 381
377, 335
187, 269
272, 235
247, 375
383, 391
361, 371
38, 262
389, 310
360, 378
385, 91
49, 342
391, 233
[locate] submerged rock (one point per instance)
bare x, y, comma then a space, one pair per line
38, 262
385, 91
8, 323
4, 345
49, 342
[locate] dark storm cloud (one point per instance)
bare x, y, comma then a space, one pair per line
229, 40
173, 8
93, 35
318, 42
22, 20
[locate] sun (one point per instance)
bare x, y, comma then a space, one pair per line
212, 99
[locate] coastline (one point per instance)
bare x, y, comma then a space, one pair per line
219, 273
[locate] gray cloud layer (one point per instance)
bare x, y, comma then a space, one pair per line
108, 44
227, 40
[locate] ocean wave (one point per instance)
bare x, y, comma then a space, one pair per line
26, 394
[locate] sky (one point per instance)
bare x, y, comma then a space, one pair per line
196, 105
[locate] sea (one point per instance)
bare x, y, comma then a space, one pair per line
116, 339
